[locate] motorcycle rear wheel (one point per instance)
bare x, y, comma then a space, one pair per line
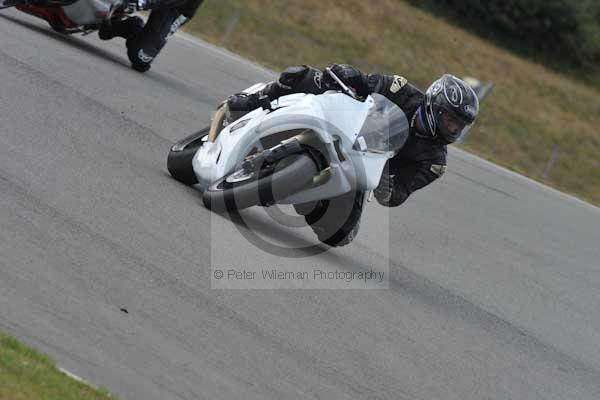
179, 162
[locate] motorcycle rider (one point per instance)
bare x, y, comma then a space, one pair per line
145, 41
437, 118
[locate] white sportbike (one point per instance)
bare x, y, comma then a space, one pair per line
301, 149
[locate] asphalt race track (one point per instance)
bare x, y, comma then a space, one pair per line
494, 290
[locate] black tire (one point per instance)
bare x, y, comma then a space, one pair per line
281, 180
179, 162
58, 28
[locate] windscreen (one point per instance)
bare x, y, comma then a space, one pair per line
385, 128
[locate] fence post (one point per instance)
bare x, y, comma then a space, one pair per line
550, 163
235, 18
482, 92
283, 5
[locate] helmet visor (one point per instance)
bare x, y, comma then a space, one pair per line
451, 126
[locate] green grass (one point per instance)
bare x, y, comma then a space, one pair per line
26, 374
532, 109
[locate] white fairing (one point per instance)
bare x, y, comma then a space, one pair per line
89, 12
331, 116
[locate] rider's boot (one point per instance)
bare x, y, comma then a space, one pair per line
125, 28
295, 79
144, 47
245, 102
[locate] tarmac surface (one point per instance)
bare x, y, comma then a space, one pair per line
106, 263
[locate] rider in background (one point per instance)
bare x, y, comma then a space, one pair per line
144, 42
437, 118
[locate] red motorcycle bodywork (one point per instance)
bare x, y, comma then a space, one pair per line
53, 15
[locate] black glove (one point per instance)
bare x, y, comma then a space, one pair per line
388, 193
384, 191
351, 76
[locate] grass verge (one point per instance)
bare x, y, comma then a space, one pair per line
26, 374
537, 122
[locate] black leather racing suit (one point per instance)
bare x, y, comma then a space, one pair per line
145, 41
165, 19
421, 161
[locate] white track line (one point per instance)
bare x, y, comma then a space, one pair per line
73, 376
